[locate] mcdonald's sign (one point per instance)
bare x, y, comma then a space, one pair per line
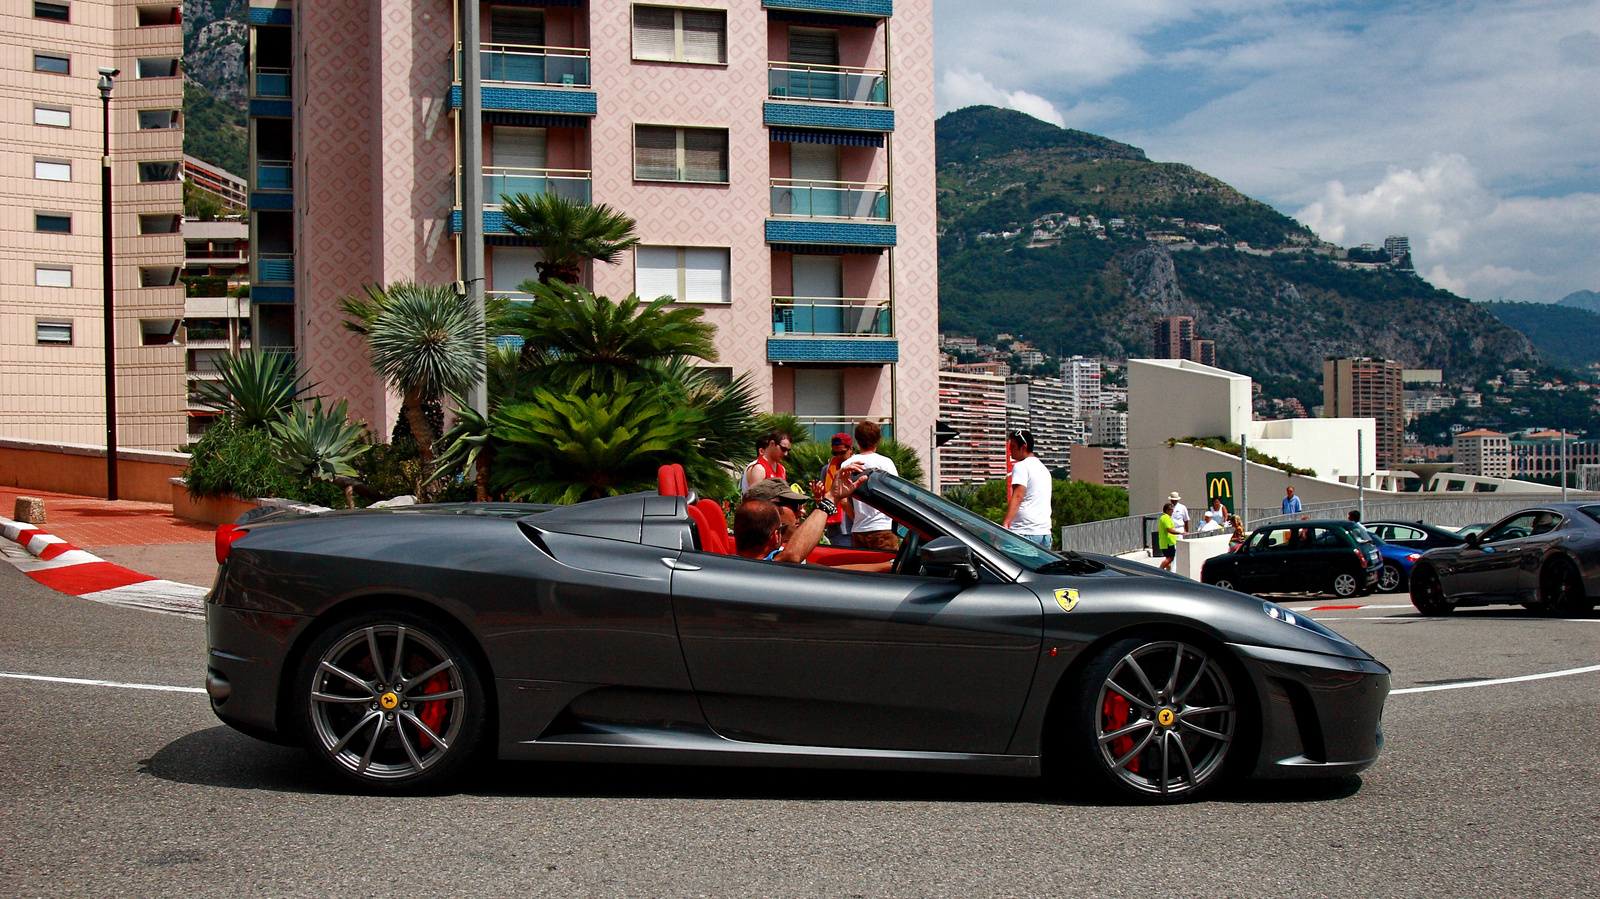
1219, 485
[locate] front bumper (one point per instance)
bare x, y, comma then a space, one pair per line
245, 656
1321, 715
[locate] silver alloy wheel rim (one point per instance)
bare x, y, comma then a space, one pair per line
1175, 737
375, 702
1225, 584
1389, 579
1344, 585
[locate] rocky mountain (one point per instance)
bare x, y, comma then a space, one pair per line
1581, 299
1079, 244
215, 42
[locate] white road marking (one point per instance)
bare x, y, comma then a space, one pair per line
1499, 680
87, 682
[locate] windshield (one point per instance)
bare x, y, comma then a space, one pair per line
1029, 555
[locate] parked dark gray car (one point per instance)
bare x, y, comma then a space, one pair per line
397, 644
1545, 558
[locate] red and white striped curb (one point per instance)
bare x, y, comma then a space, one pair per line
61, 566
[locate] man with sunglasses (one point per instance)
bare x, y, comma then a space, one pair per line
767, 526
771, 448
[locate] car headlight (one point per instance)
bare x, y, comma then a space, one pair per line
1287, 617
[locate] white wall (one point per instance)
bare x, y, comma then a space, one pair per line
1183, 468
1327, 446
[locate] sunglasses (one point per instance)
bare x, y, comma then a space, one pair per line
785, 450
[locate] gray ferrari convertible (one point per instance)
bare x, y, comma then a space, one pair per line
396, 645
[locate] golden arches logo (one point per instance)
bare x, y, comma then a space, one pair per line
1220, 487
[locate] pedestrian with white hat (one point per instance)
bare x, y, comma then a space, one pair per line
1180, 512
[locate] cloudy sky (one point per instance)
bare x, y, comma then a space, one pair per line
1472, 126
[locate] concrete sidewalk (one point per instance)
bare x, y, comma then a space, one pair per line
145, 537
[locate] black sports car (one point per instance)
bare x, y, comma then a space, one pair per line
1414, 534
396, 644
1545, 558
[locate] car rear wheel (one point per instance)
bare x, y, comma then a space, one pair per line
1156, 720
389, 701
1561, 590
1345, 585
1391, 579
1427, 594
1224, 583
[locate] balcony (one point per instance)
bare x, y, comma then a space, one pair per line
274, 175
277, 83
526, 64
827, 84
830, 199
275, 268
498, 182
831, 317
823, 427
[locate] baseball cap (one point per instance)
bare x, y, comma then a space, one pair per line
842, 439
774, 490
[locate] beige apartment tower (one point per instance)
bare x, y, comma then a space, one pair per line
51, 321
1369, 388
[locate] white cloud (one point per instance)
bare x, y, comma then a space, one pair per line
960, 88
1465, 237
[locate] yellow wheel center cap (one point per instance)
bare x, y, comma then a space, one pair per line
1165, 717
389, 701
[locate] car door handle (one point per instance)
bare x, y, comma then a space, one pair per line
677, 565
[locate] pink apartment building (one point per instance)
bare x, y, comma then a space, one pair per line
51, 312
778, 156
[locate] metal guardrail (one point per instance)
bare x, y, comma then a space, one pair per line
527, 64
838, 84
1109, 537
823, 315
830, 199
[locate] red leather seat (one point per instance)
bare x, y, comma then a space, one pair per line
672, 481
712, 527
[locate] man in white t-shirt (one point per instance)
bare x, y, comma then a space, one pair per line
871, 529
1028, 508
1180, 512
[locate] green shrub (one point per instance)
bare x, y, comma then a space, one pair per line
233, 459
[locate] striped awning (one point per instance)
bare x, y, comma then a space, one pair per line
821, 249
534, 119
842, 138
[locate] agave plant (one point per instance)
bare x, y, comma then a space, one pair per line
577, 341
256, 389
315, 443
466, 449
570, 233
564, 449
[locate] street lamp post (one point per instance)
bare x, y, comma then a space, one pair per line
106, 76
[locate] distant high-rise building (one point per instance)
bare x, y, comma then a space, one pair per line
1106, 428
1081, 377
1398, 247
1483, 453
1045, 407
1369, 388
975, 405
1174, 338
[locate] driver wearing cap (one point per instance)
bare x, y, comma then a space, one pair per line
767, 525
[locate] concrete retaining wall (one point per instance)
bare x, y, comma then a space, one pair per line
80, 469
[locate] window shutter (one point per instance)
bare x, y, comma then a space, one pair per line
653, 29
705, 155
655, 153
705, 36
705, 275
812, 47
655, 272
514, 25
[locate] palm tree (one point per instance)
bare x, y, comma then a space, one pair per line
581, 341
570, 233
425, 339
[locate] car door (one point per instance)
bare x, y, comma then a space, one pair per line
810, 655
1526, 555
1267, 569
1489, 569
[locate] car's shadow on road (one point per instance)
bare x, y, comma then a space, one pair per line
222, 757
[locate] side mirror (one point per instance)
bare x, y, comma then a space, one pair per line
1472, 540
947, 557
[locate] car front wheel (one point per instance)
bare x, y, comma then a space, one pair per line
1391, 579
1561, 590
1156, 720
389, 701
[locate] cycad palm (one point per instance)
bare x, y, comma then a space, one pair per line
425, 339
569, 232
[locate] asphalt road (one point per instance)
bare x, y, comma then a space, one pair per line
1485, 790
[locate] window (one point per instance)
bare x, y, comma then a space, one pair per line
57, 11
680, 35
52, 276
158, 171
680, 154
50, 62
153, 119
157, 67
160, 224
53, 331
159, 15
54, 116
53, 222
52, 170
687, 274
158, 275
158, 331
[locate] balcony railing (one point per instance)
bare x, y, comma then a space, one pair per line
275, 268
827, 84
274, 176
830, 199
500, 181
832, 317
823, 427
527, 64
273, 83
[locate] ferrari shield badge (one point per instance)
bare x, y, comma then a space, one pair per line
1067, 599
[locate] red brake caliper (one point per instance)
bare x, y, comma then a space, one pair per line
432, 713
1116, 711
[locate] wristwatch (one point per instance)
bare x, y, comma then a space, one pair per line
828, 506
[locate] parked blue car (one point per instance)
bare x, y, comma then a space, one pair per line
1395, 575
